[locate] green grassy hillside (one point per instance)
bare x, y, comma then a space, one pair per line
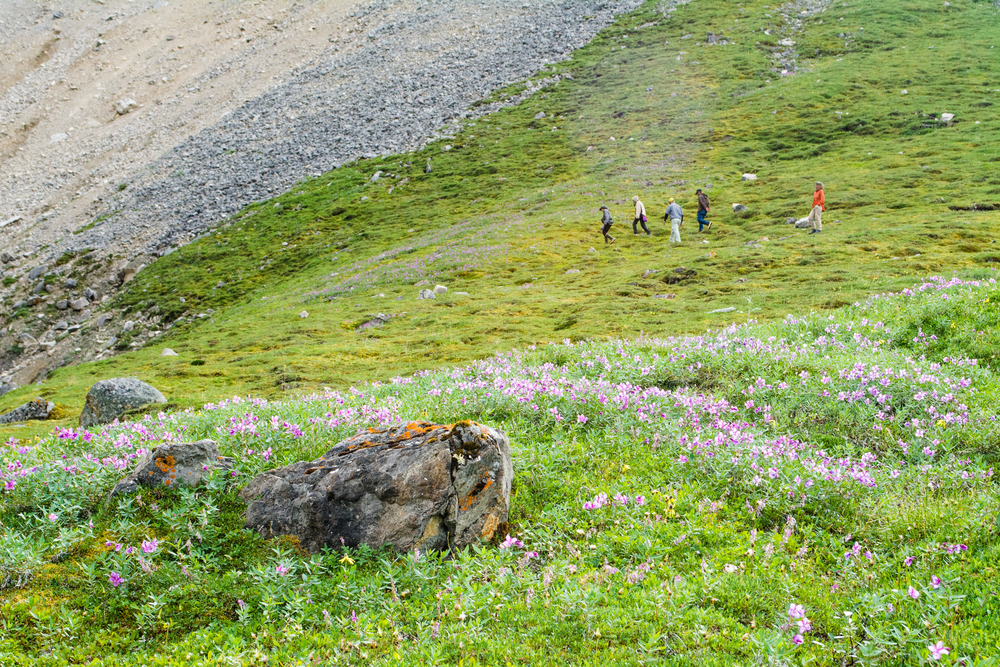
814, 485
512, 207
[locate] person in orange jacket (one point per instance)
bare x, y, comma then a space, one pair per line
819, 205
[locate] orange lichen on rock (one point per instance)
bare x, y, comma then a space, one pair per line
166, 463
490, 526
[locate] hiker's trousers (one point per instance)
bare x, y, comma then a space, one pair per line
675, 230
815, 218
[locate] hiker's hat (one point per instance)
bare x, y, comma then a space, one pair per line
671, 200
635, 198
603, 208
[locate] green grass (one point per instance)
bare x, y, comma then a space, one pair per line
504, 216
703, 572
527, 198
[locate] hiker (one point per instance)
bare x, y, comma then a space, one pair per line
819, 205
676, 216
640, 216
606, 225
704, 206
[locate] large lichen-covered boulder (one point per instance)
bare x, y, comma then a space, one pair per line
108, 400
172, 465
413, 486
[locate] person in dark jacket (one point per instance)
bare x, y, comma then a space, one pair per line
704, 206
606, 223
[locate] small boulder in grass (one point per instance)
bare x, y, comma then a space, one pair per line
167, 352
304, 314
172, 465
440, 289
37, 409
109, 399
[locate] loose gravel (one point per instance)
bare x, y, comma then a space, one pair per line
411, 68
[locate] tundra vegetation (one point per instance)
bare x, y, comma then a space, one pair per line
798, 481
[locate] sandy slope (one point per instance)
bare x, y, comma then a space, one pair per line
63, 76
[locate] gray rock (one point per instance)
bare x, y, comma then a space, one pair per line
722, 310
428, 168
109, 399
738, 208
413, 486
791, 221
79, 304
426, 294
649, 273
38, 272
6, 257
103, 319
440, 289
33, 410
6, 388
422, 283
125, 105
90, 294
572, 271
749, 177
172, 465
803, 223
128, 326
539, 115
167, 352
39, 288
70, 283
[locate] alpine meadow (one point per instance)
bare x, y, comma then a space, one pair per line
757, 446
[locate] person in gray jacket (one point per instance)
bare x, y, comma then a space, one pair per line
676, 216
606, 225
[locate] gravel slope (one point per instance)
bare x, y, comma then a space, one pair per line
392, 74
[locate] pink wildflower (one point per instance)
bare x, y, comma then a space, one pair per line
115, 579
938, 650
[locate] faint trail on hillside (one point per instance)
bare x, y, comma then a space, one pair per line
794, 14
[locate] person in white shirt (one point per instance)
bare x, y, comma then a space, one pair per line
640, 216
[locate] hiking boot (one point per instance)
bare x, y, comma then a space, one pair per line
708, 225
612, 239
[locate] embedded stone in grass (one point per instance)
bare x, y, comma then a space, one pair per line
109, 399
426, 294
749, 177
32, 410
739, 208
440, 289
167, 352
173, 464
722, 310
304, 314
419, 486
